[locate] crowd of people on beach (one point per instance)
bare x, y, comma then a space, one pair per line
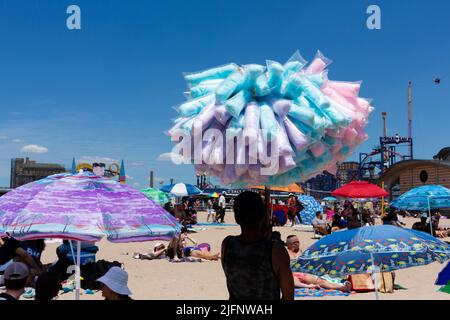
186, 211
256, 263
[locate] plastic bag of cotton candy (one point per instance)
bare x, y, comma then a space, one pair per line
272, 124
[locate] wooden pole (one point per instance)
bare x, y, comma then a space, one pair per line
268, 204
151, 179
410, 119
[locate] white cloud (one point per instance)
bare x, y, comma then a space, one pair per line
17, 141
34, 148
170, 156
129, 177
136, 184
93, 159
4, 137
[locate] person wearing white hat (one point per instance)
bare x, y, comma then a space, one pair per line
115, 284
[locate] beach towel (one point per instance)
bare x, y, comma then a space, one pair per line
186, 259
445, 289
216, 224
314, 293
194, 229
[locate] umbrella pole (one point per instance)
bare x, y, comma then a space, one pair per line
268, 204
375, 278
431, 219
77, 274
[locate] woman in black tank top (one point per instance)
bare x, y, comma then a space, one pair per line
256, 268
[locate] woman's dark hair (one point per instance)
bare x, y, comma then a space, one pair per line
47, 287
249, 209
336, 217
38, 244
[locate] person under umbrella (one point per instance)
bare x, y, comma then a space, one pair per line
371, 249
114, 285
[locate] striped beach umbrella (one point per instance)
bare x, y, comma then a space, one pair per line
181, 189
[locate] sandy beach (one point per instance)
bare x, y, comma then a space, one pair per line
164, 280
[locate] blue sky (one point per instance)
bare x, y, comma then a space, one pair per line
107, 91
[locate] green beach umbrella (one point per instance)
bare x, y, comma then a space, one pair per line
156, 195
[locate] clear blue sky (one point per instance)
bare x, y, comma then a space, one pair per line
108, 89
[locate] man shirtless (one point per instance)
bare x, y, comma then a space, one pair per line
293, 246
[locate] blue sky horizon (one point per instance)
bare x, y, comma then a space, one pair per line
107, 92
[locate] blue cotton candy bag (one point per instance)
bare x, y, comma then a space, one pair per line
231, 85
236, 104
220, 72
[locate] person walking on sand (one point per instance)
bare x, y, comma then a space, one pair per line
222, 207
210, 211
255, 267
292, 209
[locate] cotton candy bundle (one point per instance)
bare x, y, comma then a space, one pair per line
291, 114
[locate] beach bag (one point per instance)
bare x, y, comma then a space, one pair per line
362, 283
386, 281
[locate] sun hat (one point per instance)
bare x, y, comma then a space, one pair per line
116, 279
16, 271
424, 215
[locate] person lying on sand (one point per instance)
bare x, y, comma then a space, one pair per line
159, 252
303, 280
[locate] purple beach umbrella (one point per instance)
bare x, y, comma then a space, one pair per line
83, 207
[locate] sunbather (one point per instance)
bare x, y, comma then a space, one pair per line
178, 246
159, 252
304, 280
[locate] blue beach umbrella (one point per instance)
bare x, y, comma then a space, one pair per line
311, 206
181, 189
370, 250
330, 199
425, 198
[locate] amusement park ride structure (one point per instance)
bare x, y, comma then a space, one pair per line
386, 152
114, 169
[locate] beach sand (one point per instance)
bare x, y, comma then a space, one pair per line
164, 280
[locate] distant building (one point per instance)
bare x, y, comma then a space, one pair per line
347, 172
24, 171
321, 186
406, 175
4, 190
